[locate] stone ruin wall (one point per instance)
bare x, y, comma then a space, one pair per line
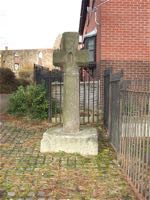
25, 59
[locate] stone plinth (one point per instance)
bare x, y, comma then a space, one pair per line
85, 142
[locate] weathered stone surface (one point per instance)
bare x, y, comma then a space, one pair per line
11, 194
26, 59
31, 194
41, 194
57, 42
85, 142
70, 138
4, 102
70, 58
29, 198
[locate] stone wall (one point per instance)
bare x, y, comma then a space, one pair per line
4, 102
24, 60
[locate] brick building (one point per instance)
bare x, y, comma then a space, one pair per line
117, 34
24, 60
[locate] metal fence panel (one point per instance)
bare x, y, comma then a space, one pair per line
89, 98
114, 110
134, 154
89, 94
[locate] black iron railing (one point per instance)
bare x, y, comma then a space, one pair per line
89, 94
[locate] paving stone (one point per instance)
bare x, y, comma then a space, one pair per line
2, 192
41, 194
29, 198
11, 194
49, 195
31, 194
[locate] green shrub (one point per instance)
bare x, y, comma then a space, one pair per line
37, 102
18, 104
30, 101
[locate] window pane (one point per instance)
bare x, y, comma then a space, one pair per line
91, 44
91, 56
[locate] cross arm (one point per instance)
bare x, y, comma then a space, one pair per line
58, 58
82, 58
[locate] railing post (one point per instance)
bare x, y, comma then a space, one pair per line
107, 75
114, 109
49, 98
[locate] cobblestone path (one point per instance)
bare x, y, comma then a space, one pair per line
26, 174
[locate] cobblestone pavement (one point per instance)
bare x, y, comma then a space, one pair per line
26, 174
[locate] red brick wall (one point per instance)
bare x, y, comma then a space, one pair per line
123, 37
125, 30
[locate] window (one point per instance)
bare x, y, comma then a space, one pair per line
40, 57
16, 59
90, 44
16, 66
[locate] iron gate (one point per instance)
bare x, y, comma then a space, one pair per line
89, 94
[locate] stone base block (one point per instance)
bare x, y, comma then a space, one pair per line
85, 142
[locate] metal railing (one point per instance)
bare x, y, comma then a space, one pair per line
89, 94
134, 152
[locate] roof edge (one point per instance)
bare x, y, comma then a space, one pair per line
84, 5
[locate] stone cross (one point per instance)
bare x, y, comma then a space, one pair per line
70, 138
70, 58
